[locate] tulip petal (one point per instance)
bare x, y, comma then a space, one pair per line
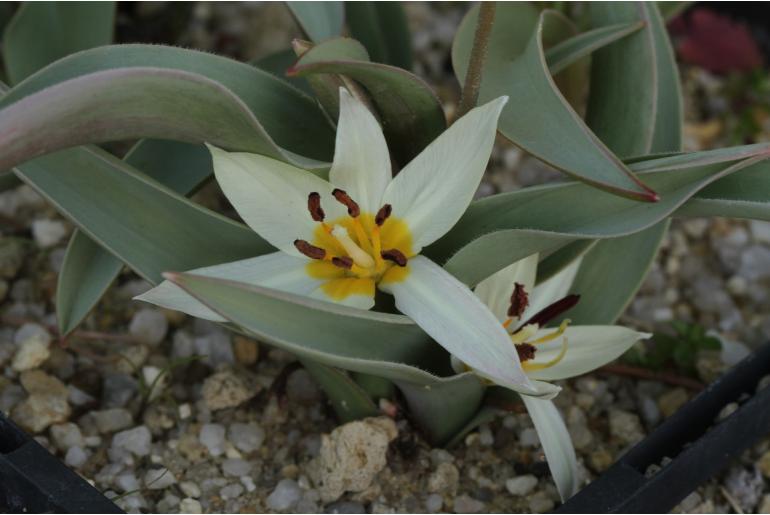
453, 316
434, 190
495, 291
277, 270
555, 288
361, 164
271, 196
348, 291
589, 347
557, 445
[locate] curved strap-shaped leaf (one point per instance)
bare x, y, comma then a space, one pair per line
411, 113
611, 274
42, 32
568, 51
319, 20
349, 400
383, 29
88, 269
443, 409
128, 103
537, 114
743, 195
502, 228
646, 55
146, 225
291, 117
635, 82
389, 346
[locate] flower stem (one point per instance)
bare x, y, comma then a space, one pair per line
478, 55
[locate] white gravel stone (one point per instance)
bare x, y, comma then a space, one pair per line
232, 491
285, 496
48, 233
158, 479
66, 435
32, 352
111, 420
148, 326
521, 485
136, 441
127, 482
75, 457
190, 489
212, 436
528, 438
189, 505
248, 483
236, 467
434, 503
246, 437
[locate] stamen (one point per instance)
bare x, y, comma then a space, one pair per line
309, 250
519, 301
525, 351
343, 262
524, 333
394, 255
344, 199
557, 308
360, 257
552, 336
363, 240
507, 323
530, 367
314, 206
383, 214
377, 245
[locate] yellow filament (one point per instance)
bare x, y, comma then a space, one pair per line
359, 257
507, 323
525, 333
326, 228
550, 337
531, 367
377, 245
361, 235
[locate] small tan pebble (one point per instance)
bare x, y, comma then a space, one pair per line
764, 466
671, 401
444, 479
290, 471
764, 505
188, 505
600, 460
31, 354
246, 350
228, 389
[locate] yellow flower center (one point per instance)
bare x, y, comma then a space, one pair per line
354, 253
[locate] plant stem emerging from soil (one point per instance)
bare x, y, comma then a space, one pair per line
478, 57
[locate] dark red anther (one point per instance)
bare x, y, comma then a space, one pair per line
394, 255
519, 301
343, 262
309, 250
314, 206
547, 314
344, 199
383, 214
525, 351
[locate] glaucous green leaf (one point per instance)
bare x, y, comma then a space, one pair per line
537, 114
277, 64
291, 118
383, 29
349, 400
381, 344
411, 113
611, 273
635, 83
128, 103
502, 228
443, 409
145, 224
319, 20
670, 10
42, 32
571, 50
88, 269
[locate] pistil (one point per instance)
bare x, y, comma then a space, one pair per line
360, 257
